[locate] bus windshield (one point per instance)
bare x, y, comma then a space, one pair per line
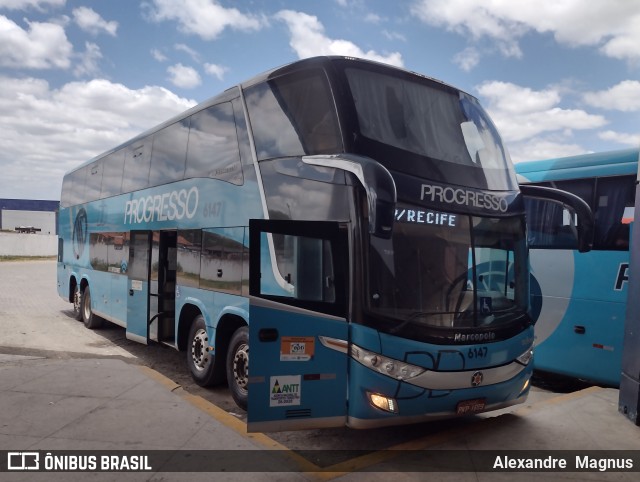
428, 129
449, 270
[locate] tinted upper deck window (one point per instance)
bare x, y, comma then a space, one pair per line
213, 145
293, 115
169, 153
422, 127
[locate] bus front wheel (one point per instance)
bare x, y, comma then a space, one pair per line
238, 366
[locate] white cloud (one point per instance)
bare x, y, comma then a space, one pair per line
88, 65
613, 26
195, 56
372, 18
394, 35
514, 99
308, 39
48, 131
215, 70
158, 55
532, 123
624, 96
621, 138
537, 148
204, 18
521, 113
184, 76
467, 59
42, 46
26, 4
91, 22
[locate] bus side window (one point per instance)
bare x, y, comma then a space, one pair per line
69, 194
306, 264
222, 253
136, 165
293, 115
241, 130
614, 196
549, 225
168, 153
78, 182
189, 247
310, 269
113, 165
213, 145
94, 181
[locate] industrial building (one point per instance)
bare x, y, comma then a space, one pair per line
29, 215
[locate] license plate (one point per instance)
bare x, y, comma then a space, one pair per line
467, 407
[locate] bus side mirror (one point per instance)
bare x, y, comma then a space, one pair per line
557, 219
377, 182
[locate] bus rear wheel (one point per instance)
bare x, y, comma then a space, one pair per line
200, 355
238, 366
77, 303
90, 320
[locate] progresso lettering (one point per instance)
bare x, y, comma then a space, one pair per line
169, 206
463, 197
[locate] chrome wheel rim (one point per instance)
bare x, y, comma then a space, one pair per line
86, 312
200, 350
77, 300
241, 366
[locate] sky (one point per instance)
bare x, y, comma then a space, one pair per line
78, 77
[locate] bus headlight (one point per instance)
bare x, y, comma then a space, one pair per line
385, 365
383, 403
526, 357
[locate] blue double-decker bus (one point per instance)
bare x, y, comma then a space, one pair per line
580, 299
357, 228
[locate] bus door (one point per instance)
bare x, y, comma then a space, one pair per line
162, 286
298, 330
138, 272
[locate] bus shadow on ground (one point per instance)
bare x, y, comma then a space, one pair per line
554, 382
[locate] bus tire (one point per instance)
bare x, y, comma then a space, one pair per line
238, 366
90, 320
77, 303
200, 355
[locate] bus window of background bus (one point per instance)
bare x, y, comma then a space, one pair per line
213, 145
613, 196
550, 225
609, 198
293, 115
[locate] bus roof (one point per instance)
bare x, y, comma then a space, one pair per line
610, 163
233, 92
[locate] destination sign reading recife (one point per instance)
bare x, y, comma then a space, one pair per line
421, 216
